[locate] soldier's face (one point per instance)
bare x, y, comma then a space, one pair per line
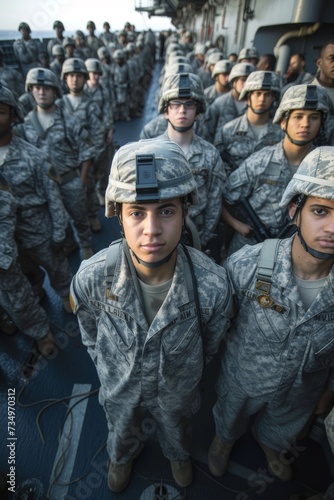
302, 124
181, 115
261, 100
6, 119
152, 230
326, 63
239, 83
316, 222
75, 81
44, 96
223, 79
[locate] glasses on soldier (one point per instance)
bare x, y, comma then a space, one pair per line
186, 104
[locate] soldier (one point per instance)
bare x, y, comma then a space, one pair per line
107, 36
262, 178
58, 40
26, 49
93, 43
69, 47
325, 75
101, 97
279, 356
41, 218
66, 144
16, 295
267, 62
227, 107
122, 86
253, 130
249, 55
181, 101
149, 355
296, 73
9, 77
205, 71
79, 104
107, 77
220, 73
56, 65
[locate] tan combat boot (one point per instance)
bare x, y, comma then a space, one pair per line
219, 454
182, 472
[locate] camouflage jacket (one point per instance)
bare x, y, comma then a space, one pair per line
269, 350
90, 117
8, 249
210, 176
100, 95
160, 364
222, 110
238, 141
66, 143
33, 182
262, 178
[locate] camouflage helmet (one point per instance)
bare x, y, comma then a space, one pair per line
261, 80
223, 66
93, 65
182, 85
73, 65
248, 53
214, 57
240, 69
57, 50
102, 53
314, 177
149, 171
68, 40
42, 76
312, 97
180, 67
119, 54
91, 24
171, 48
199, 49
7, 97
58, 24
24, 26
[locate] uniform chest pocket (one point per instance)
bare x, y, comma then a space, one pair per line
201, 176
273, 325
182, 338
115, 329
321, 349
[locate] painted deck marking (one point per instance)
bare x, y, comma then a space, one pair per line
58, 491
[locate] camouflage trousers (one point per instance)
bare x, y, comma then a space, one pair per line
21, 304
277, 426
130, 426
74, 198
54, 263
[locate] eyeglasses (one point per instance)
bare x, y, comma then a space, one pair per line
186, 104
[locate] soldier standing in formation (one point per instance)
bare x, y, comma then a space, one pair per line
131, 321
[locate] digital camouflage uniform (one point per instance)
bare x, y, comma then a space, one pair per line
16, 295
122, 86
11, 79
89, 116
262, 179
152, 367
221, 111
41, 218
137, 363
26, 53
279, 356
66, 145
154, 127
277, 359
238, 142
210, 176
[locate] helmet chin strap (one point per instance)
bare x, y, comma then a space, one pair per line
181, 129
315, 253
153, 265
311, 251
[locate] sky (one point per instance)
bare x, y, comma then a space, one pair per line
40, 14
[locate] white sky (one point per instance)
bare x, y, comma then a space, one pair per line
40, 14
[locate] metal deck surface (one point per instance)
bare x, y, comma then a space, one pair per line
58, 445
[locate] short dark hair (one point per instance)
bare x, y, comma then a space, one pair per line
330, 42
